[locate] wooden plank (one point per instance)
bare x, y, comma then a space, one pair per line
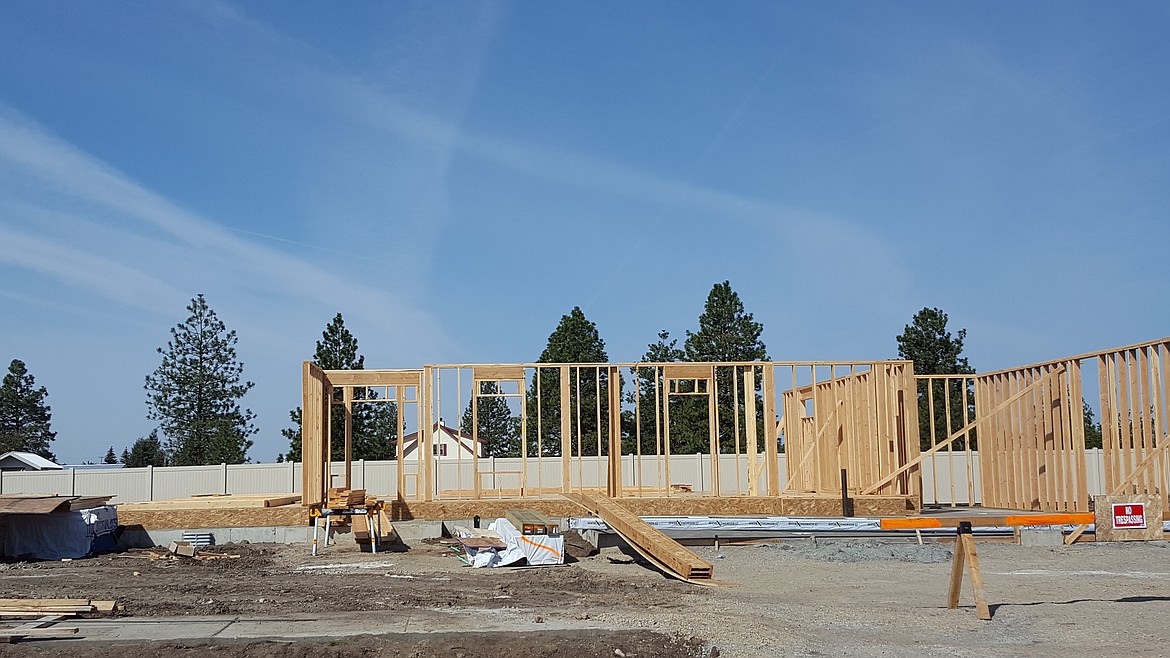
339, 378
688, 371
41, 603
956, 586
1076, 426
1015, 520
498, 373
566, 430
637, 532
967, 543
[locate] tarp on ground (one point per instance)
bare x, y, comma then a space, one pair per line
59, 535
536, 549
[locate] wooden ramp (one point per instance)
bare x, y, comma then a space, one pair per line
652, 544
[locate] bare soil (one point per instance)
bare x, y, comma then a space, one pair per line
831, 597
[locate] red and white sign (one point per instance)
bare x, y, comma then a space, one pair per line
1129, 516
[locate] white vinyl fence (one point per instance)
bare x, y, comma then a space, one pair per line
380, 477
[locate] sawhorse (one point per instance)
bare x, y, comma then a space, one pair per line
965, 555
965, 543
318, 512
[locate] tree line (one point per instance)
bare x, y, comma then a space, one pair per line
196, 392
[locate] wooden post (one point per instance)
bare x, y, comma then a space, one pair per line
771, 450
614, 480
566, 431
426, 461
753, 445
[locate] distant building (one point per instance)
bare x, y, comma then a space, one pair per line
447, 443
26, 461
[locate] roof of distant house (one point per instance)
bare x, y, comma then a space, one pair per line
36, 462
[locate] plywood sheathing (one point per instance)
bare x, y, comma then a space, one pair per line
809, 505
242, 517
1103, 511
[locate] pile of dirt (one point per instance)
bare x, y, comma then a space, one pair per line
576, 546
867, 550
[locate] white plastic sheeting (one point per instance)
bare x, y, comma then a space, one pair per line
536, 549
60, 535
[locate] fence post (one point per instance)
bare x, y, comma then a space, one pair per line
225, 478
702, 486
150, 481
73, 482
292, 476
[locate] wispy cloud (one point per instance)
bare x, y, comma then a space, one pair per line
66, 185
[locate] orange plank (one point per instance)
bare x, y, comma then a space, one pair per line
917, 523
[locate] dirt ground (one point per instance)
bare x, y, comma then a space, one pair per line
793, 597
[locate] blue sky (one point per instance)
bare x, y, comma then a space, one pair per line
453, 177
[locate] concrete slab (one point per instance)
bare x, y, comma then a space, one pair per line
139, 629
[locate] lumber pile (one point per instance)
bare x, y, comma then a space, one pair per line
663, 551
366, 527
214, 502
342, 498
530, 522
177, 551
47, 612
65, 607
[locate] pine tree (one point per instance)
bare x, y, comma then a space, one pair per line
195, 393
726, 333
649, 403
24, 417
575, 340
373, 428
499, 429
1092, 428
934, 351
146, 451
111, 457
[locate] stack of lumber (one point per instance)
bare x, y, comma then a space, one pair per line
64, 607
342, 498
48, 503
214, 501
47, 613
663, 551
530, 522
365, 527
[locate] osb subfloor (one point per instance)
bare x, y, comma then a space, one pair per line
683, 505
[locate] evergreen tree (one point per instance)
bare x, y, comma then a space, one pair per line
111, 457
726, 333
195, 393
24, 417
1092, 428
934, 351
146, 451
575, 340
373, 429
665, 350
499, 429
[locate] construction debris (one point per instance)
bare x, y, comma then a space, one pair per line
504, 545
